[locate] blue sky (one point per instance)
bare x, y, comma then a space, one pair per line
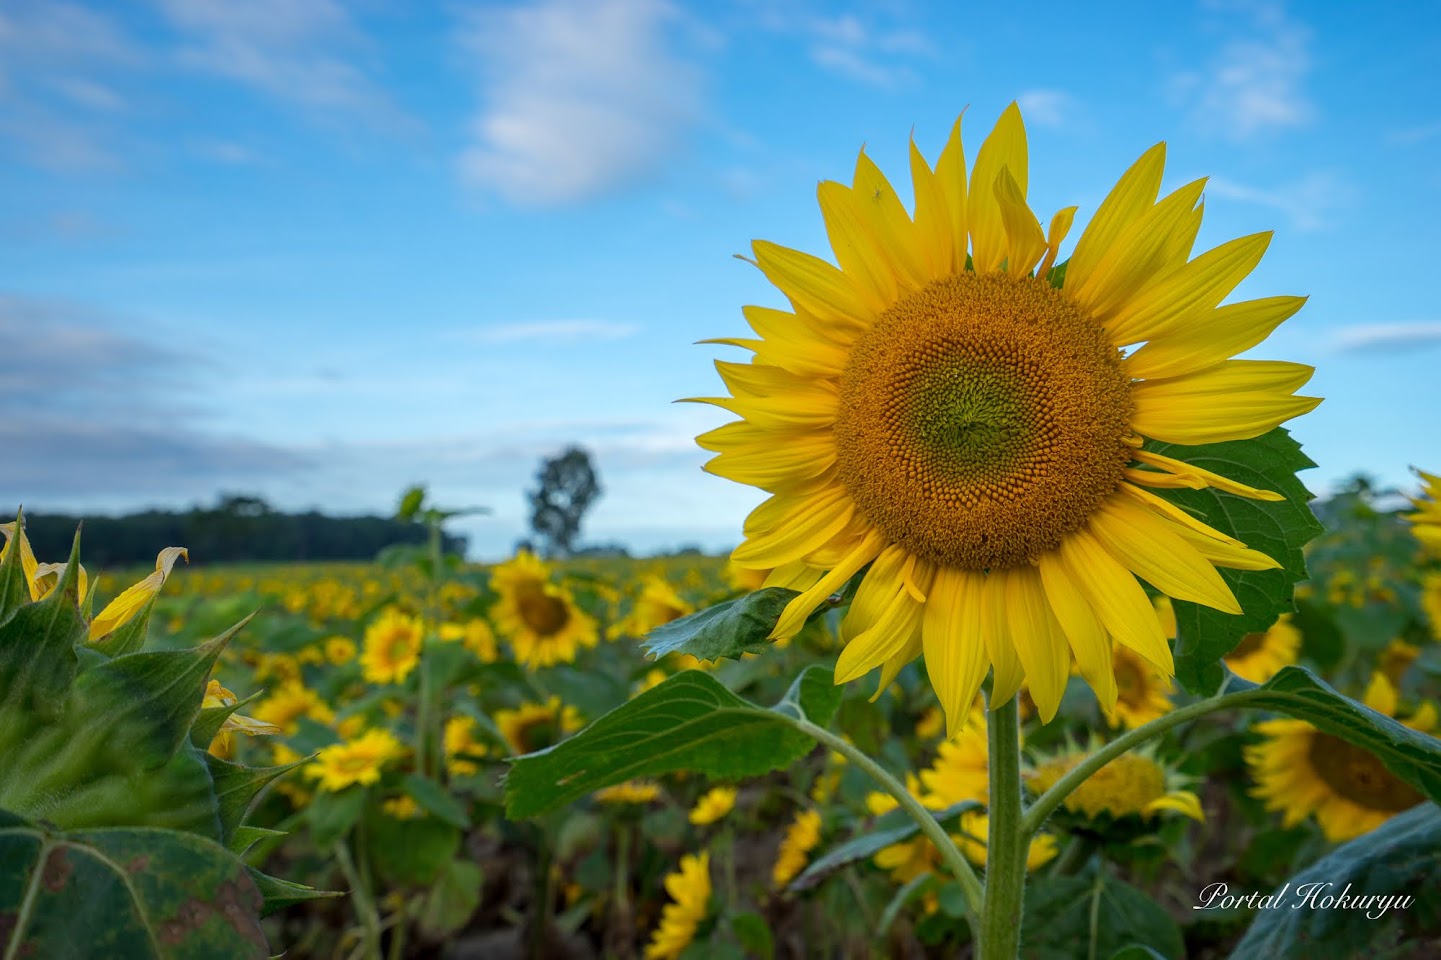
323, 249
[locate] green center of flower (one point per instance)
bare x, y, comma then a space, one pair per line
981, 420
1359, 776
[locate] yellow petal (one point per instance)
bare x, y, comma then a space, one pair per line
1198, 477
1182, 801
933, 219
132, 600
1380, 695
885, 217
1187, 293
795, 614
956, 659
815, 285
1233, 400
1219, 335
1174, 513
786, 528
1133, 195
1005, 147
797, 342
1145, 544
1144, 250
951, 175
1060, 226
1007, 672
29, 566
1088, 639
1040, 642
1117, 599
1227, 555
1025, 243
880, 623
857, 250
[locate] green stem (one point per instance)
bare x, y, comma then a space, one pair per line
970, 885
1081, 772
364, 906
1000, 931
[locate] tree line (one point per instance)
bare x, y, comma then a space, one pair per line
237, 528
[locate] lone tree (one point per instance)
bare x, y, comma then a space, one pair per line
568, 486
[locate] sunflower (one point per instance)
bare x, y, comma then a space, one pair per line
533, 726
638, 792
1431, 602
1301, 771
658, 603
801, 838
539, 617
461, 746
1426, 521
355, 761
1260, 656
954, 410
218, 696
392, 647
713, 805
1134, 784
689, 889
289, 703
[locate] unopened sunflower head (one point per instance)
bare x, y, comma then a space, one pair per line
952, 410
1131, 792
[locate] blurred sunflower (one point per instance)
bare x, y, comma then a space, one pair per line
689, 889
461, 746
1300, 771
392, 647
952, 409
713, 805
1134, 784
639, 792
1260, 656
291, 701
1143, 692
355, 761
541, 620
801, 838
658, 603
1426, 521
533, 726
218, 696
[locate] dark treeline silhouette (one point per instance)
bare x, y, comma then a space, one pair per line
238, 528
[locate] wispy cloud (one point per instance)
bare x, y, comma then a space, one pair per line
579, 97
554, 331
1387, 337
1410, 136
853, 47
1046, 108
1309, 202
1255, 83
298, 51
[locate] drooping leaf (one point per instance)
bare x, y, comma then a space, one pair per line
689, 721
892, 828
125, 893
1398, 865
1278, 529
727, 629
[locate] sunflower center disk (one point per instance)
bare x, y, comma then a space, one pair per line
1359, 776
544, 614
981, 421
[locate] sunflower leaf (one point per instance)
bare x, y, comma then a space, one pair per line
892, 828
1398, 864
1096, 913
727, 629
1297, 692
1278, 529
689, 721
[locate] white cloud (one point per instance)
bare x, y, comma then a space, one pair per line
580, 97
1255, 82
1309, 202
288, 49
554, 331
1387, 337
1046, 108
855, 48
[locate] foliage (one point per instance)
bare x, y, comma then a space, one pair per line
567, 485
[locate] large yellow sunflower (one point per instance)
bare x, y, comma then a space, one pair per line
540, 618
1426, 521
953, 409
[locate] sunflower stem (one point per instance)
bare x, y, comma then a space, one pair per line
1000, 930
965, 876
1081, 772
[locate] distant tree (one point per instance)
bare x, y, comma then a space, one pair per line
567, 487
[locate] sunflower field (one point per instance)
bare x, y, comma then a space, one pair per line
1037, 648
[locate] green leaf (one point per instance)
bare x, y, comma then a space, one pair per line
907, 892
1278, 529
451, 902
754, 934
210, 719
689, 721
236, 786
1093, 914
246, 836
332, 814
894, 827
728, 629
433, 798
280, 894
130, 636
1297, 692
410, 852
1137, 951
125, 893
1399, 859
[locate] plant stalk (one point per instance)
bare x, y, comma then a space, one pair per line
1000, 929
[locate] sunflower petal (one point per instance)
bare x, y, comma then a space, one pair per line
793, 617
1117, 599
1145, 544
1005, 147
1089, 642
1188, 292
885, 217
133, 599
933, 219
1025, 243
857, 250
1055, 234
955, 649
1007, 673
814, 284
1233, 400
1220, 335
1040, 642
1133, 195
1181, 801
787, 528
1191, 472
